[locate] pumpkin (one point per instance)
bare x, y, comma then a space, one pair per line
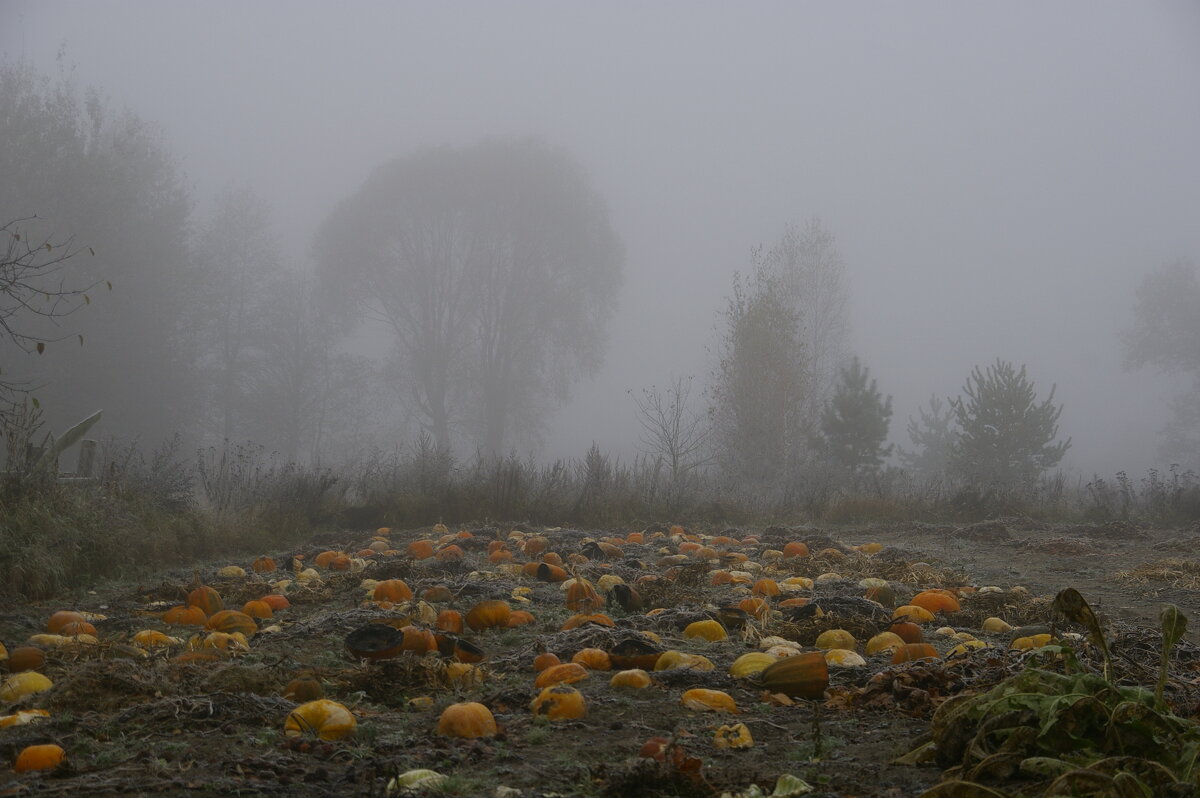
60, 619
766, 587
908, 631
230, 621
870, 548
996, 626
207, 599
326, 558
680, 659
559, 702
26, 658
437, 593
545, 660
450, 621
152, 638
77, 628
749, 664
392, 590
836, 638
303, 689
232, 572
703, 700
936, 601
594, 659
844, 658
327, 719
276, 602
966, 647
420, 549
200, 657
466, 651
912, 652
20, 685
379, 545
797, 583
235, 641
800, 676
634, 677
626, 597
754, 607
552, 558
735, 736
1031, 642
535, 545
500, 555
39, 757
519, 618
582, 596
23, 717
885, 641
451, 553
257, 608
417, 640
795, 549
913, 613
884, 594
576, 621
489, 615
462, 674
470, 720
566, 673
706, 630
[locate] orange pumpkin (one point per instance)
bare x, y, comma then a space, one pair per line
185, 616
450, 621
545, 660
325, 558
559, 702
39, 757
535, 545
580, 619
420, 549
489, 615
230, 621
552, 558
548, 572
77, 628
799, 676
936, 601
263, 565
909, 632
912, 652
795, 549
25, 658
327, 719
451, 553
635, 537
276, 602
302, 689
566, 673
207, 599
392, 590
437, 593
499, 556
417, 640
60, 619
593, 659
582, 597
754, 607
258, 609
519, 618
469, 720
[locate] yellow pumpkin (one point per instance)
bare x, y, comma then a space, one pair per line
844, 658
680, 659
635, 677
706, 630
703, 700
912, 613
735, 736
884, 641
327, 719
22, 684
749, 664
836, 638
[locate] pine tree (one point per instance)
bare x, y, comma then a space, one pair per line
854, 422
1006, 438
934, 435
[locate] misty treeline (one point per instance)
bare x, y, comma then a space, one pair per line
494, 270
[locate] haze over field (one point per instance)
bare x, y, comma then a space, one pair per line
999, 178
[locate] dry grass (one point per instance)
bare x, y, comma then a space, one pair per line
1175, 571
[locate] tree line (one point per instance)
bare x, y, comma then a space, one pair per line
494, 269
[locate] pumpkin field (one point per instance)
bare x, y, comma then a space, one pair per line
1003, 658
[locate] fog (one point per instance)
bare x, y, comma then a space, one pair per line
999, 177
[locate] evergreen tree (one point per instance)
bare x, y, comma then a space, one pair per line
1006, 438
854, 422
934, 435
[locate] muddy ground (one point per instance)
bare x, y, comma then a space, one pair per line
135, 723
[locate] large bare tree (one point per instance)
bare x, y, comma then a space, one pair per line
495, 268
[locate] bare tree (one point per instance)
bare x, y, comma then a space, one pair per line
674, 435
36, 292
494, 267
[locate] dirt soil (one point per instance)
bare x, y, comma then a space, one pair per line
137, 721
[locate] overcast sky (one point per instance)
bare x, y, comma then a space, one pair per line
999, 176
